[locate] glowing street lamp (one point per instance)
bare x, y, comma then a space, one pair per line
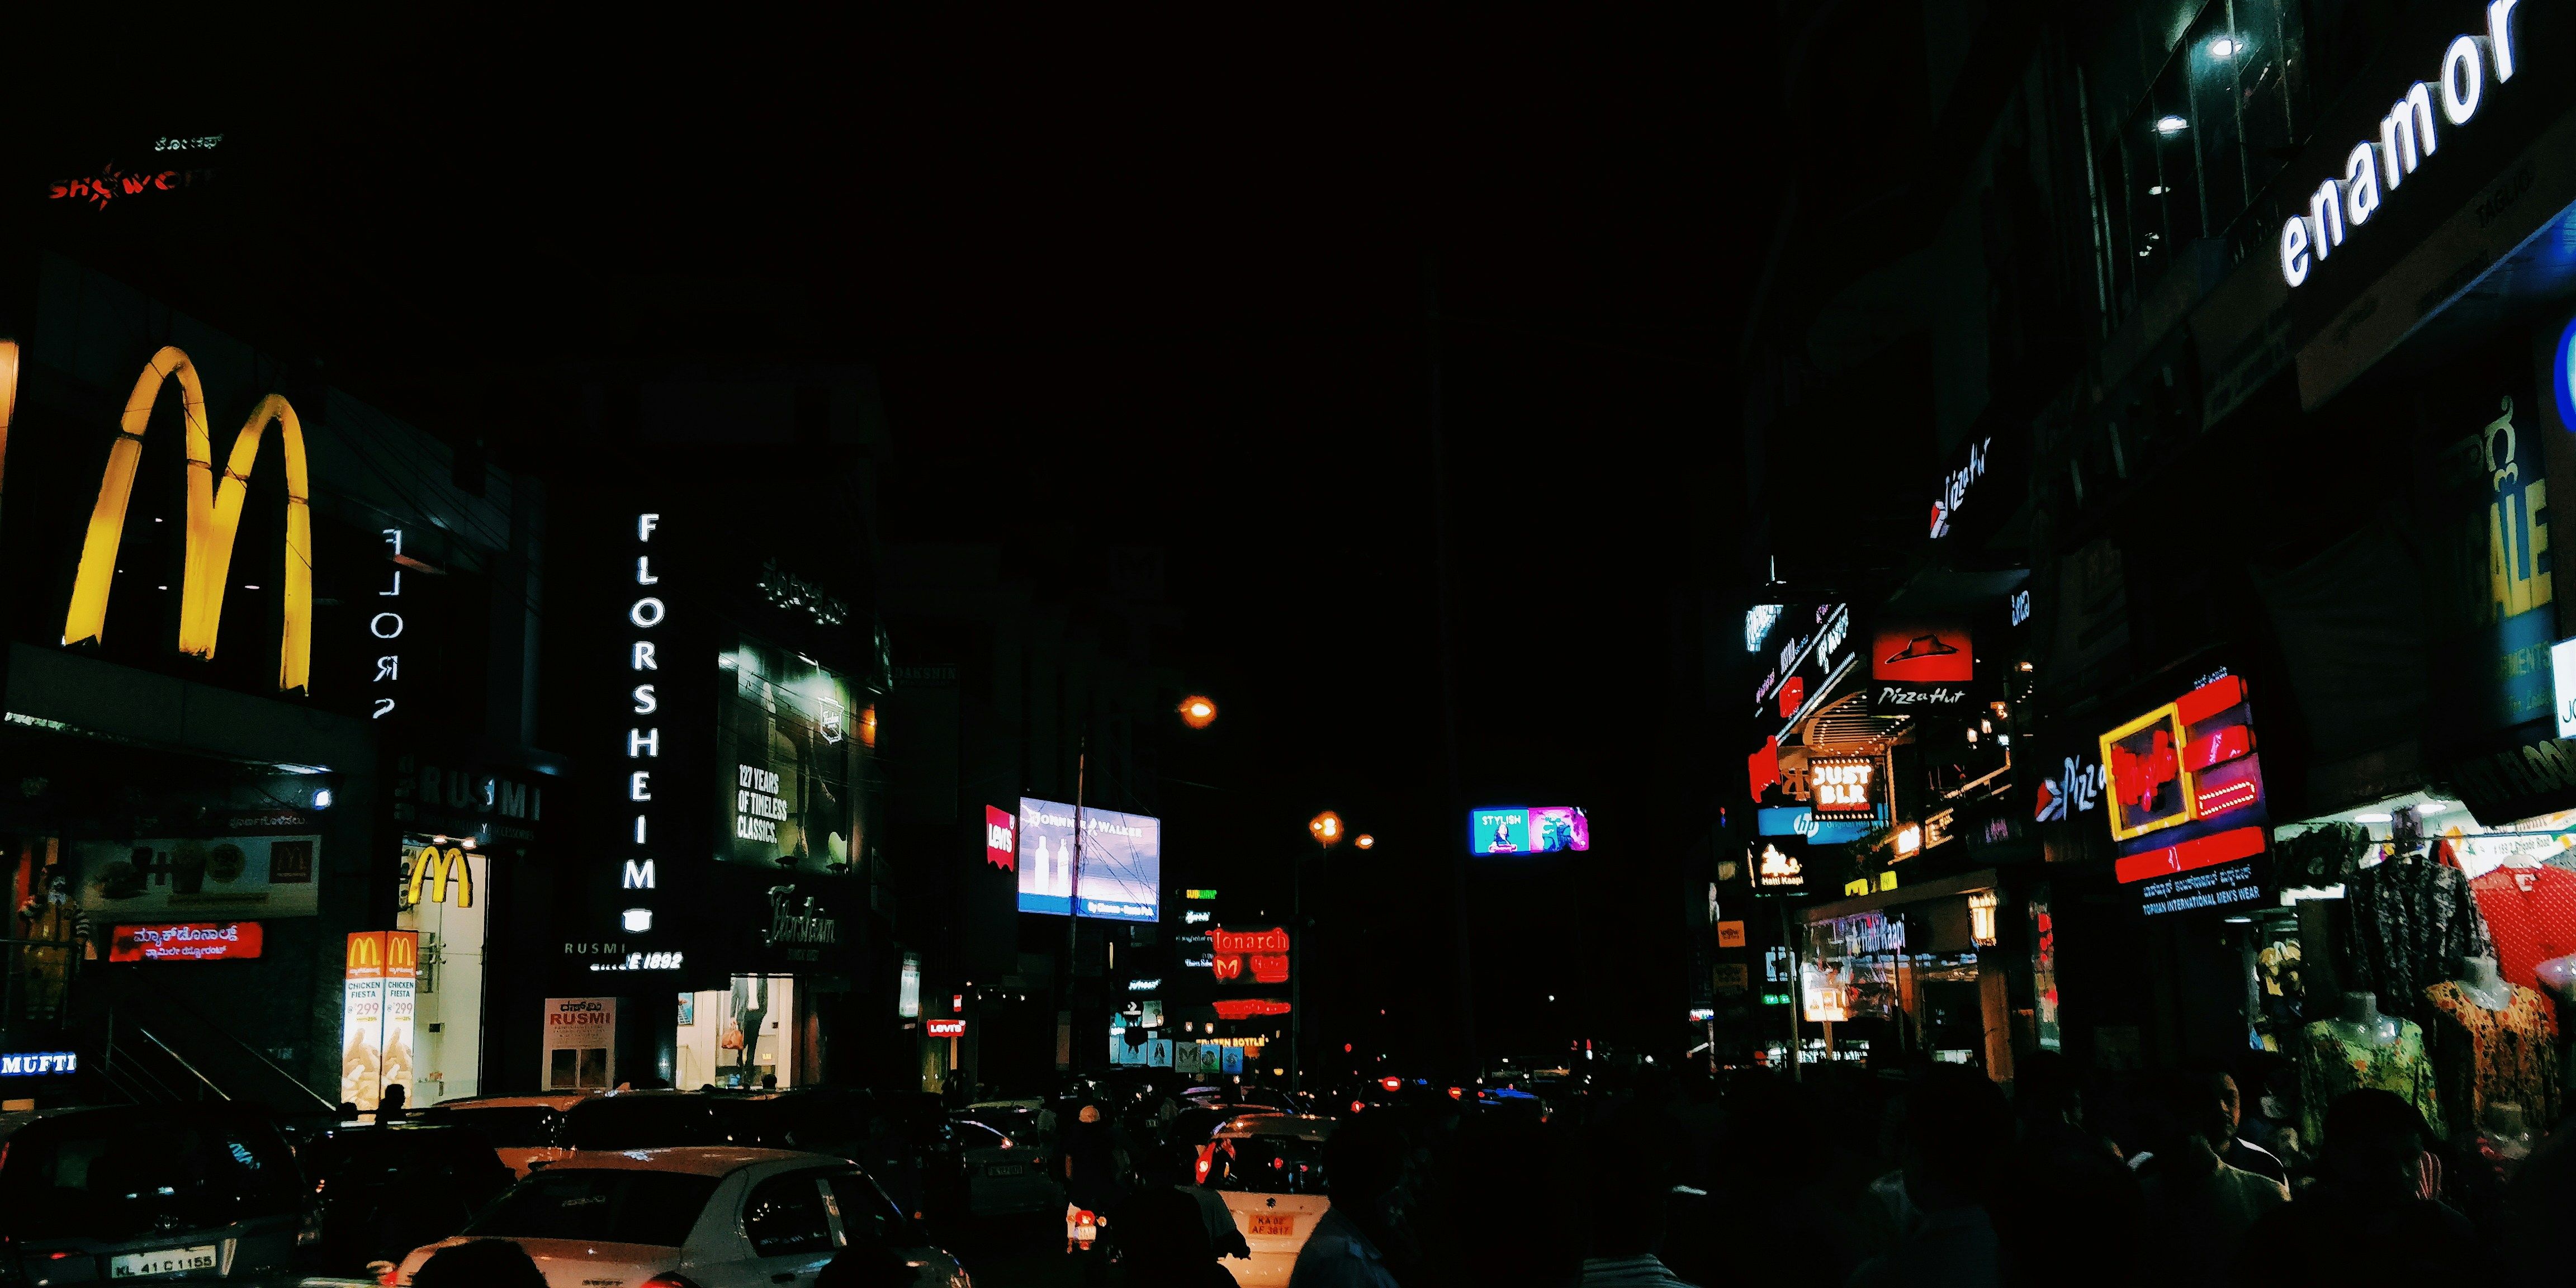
1197, 712
1327, 828
1364, 840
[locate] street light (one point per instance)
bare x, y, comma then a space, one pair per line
1327, 828
1197, 712
1364, 841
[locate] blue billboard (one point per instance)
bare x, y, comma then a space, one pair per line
1799, 821
1121, 859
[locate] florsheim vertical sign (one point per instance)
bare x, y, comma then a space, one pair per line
645, 614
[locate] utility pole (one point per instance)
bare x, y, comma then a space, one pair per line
1073, 901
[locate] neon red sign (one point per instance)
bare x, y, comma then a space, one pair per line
946, 1028
1244, 1008
1265, 950
195, 941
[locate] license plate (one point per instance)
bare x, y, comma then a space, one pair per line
167, 1261
1007, 1169
1281, 1224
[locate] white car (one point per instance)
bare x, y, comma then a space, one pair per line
1004, 1173
1269, 1168
697, 1217
524, 1130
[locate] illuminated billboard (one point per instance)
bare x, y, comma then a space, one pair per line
787, 762
1121, 861
2185, 789
1527, 829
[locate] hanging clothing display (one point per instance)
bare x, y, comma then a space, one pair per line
2330, 1065
2413, 920
2483, 1057
2531, 913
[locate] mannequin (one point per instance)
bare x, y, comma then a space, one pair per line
2558, 975
2483, 985
2362, 1024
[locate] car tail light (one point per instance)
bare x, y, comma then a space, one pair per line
669, 1279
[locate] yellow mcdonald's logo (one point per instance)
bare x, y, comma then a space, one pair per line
438, 868
214, 518
367, 950
402, 950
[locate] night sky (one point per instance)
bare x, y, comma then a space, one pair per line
1171, 284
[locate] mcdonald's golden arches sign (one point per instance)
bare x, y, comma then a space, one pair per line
214, 509
436, 872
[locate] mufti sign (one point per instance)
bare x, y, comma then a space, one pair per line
2409, 135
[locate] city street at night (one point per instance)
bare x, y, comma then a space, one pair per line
1868, 643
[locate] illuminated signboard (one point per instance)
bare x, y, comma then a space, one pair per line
2408, 136
1921, 664
1759, 619
1772, 868
2076, 788
1120, 860
378, 984
1955, 486
1001, 838
945, 1028
1842, 788
1259, 955
2562, 679
38, 1064
214, 519
1244, 1008
2185, 795
1527, 829
196, 941
1800, 821
788, 738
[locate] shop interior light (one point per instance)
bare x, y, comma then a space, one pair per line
1981, 918
2225, 47
2433, 807
2171, 124
2375, 816
322, 798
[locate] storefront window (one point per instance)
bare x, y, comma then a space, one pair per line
444, 897
741, 1036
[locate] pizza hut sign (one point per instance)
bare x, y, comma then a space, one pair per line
1265, 950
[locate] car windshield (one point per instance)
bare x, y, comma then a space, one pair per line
620, 1205
647, 1122
1273, 1165
118, 1175
506, 1126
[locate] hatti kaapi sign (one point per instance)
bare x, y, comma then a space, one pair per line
1263, 953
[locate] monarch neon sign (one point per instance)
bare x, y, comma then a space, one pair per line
213, 520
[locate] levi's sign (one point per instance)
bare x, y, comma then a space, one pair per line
2408, 136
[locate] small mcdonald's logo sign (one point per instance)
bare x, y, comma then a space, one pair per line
435, 872
367, 952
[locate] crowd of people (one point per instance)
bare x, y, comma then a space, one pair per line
1936, 1176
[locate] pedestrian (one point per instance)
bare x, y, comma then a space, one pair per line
389, 1106
2370, 1218
1164, 1236
2242, 1153
2067, 1208
479, 1263
1951, 1141
1091, 1181
1179, 1170
2198, 1205
1630, 1185
1363, 1236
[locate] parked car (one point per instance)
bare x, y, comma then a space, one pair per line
711, 1216
136, 1192
1005, 1174
1269, 1168
526, 1130
644, 1120
383, 1190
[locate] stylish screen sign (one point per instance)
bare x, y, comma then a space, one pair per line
2408, 136
1955, 486
2184, 788
1527, 829
195, 941
1801, 822
1120, 861
1001, 838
